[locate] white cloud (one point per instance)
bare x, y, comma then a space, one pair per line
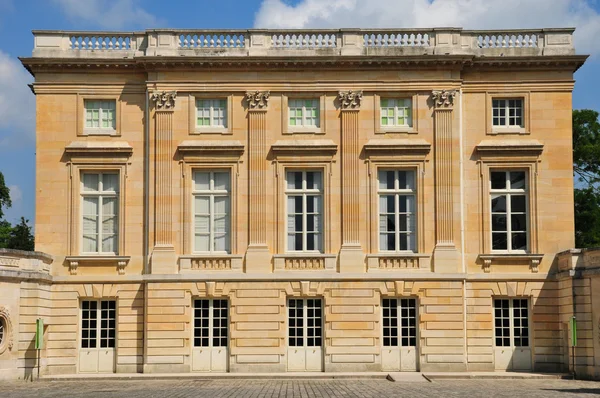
17, 104
16, 195
469, 14
118, 14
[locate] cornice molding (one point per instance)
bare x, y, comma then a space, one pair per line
258, 100
164, 100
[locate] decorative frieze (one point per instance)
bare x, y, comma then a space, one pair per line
216, 263
258, 100
164, 100
304, 263
350, 100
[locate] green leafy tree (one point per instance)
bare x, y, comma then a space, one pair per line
5, 230
586, 167
21, 237
4, 195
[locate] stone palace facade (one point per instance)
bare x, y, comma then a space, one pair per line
300, 200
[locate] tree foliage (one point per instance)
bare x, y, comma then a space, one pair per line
4, 195
13, 237
586, 167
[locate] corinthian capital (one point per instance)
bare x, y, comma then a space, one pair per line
443, 99
164, 100
350, 100
258, 100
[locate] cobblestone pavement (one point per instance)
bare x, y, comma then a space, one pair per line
299, 388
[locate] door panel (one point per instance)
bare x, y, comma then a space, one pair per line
218, 359
314, 359
408, 359
201, 359
106, 360
522, 359
88, 361
296, 359
390, 359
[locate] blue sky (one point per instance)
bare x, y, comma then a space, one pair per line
19, 17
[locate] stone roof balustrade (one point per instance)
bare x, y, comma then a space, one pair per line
303, 42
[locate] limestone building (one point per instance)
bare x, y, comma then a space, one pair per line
286, 200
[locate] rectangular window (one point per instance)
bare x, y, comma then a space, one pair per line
508, 193
397, 210
98, 323
305, 328
100, 212
211, 113
100, 114
396, 112
507, 112
304, 193
304, 112
211, 197
211, 322
511, 322
399, 322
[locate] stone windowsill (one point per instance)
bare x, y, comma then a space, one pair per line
210, 262
91, 260
531, 259
398, 261
304, 261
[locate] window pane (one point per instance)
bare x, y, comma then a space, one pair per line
518, 203
499, 203
517, 180
519, 241
222, 181
498, 179
499, 241
110, 182
90, 182
386, 179
201, 243
221, 205
499, 222
201, 205
313, 180
201, 181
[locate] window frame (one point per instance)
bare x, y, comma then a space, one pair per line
194, 129
397, 192
100, 194
98, 319
511, 316
524, 96
321, 99
304, 192
508, 192
413, 97
211, 194
304, 115
211, 113
82, 130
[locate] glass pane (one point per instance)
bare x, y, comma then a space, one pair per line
201, 204
221, 205
406, 179
202, 224
518, 222
518, 204
498, 179
90, 182
499, 203
386, 179
201, 181
222, 181
519, 241
313, 180
109, 244
201, 243
499, 222
499, 241
222, 242
517, 180
110, 182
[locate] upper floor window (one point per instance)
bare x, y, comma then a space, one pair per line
304, 112
396, 112
397, 210
211, 113
508, 194
507, 112
100, 115
304, 191
211, 198
100, 212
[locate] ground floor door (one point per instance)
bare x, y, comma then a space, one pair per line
399, 320
511, 334
98, 336
305, 335
211, 335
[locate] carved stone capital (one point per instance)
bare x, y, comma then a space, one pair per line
164, 100
443, 99
258, 100
350, 100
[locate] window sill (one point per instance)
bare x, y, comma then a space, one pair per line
212, 130
101, 132
399, 129
210, 262
533, 260
304, 261
508, 131
304, 130
398, 261
97, 259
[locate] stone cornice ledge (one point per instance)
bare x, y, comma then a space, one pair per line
102, 147
215, 147
120, 261
412, 146
533, 259
298, 147
509, 147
